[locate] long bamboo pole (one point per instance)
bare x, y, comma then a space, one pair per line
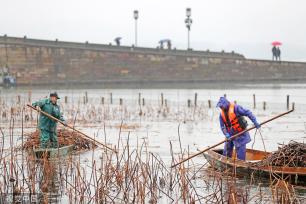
231, 138
81, 133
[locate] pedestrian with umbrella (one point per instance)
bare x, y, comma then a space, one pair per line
117, 41
276, 52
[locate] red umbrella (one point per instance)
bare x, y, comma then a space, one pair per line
276, 43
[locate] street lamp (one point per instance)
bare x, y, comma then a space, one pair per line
135, 17
188, 22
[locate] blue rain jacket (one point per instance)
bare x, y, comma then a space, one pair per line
239, 111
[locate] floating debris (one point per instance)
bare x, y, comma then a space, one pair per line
65, 138
126, 126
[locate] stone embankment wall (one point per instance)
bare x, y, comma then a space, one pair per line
49, 62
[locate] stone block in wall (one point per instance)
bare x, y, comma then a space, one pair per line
192, 59
261, 63
187, 68
238, 62
124, 71
155, 59
101, 54
215, 60
61, 51
272, 69
140, 56
278, 75
204, 61
61, 75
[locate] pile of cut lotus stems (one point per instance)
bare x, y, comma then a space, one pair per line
65, 138
290, 155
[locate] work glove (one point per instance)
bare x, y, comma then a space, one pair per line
38, 108
257, 125
227, 135
65, 123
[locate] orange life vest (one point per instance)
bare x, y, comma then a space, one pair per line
233, 119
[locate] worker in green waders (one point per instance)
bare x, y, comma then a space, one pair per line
47, 126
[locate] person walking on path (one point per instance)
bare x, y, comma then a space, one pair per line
278, 54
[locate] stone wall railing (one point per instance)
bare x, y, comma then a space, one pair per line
5, 40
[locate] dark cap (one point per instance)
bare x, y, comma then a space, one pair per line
54, 94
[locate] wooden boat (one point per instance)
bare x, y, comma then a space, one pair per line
249, 168
53, 152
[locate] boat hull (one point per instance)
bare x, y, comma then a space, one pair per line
248, 168
53, 152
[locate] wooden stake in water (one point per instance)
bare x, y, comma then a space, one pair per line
264, 105
189, 103
86, 97
195, 99
162, 98
209, 103
288, 102
254, 101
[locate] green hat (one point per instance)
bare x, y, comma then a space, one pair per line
54, 94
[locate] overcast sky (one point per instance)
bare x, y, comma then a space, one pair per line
245, 26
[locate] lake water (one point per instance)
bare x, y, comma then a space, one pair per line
158, 125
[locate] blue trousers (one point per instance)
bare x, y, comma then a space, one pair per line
228, 150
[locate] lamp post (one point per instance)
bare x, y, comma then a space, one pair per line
188, 22
135, 17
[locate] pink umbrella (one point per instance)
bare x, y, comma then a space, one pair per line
276, 43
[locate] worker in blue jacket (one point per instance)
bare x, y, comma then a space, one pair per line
232, 122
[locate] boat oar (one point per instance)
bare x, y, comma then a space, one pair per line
81, 133
231, 138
